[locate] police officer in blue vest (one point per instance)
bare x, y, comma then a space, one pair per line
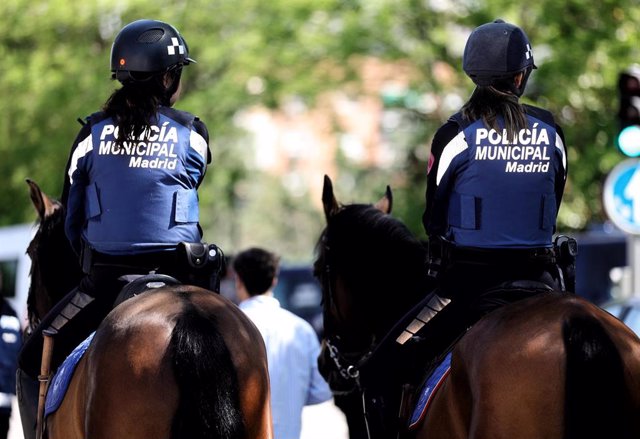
130, 189
496, 176
495, 181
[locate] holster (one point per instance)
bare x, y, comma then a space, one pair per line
202, 264
566, 249
195, 263
86, 258
436, 256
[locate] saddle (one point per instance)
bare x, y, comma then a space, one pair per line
419, 363
436, 368
137, 284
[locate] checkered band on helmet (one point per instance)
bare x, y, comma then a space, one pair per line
495, 51
147, 46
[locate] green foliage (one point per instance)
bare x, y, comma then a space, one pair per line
55, 58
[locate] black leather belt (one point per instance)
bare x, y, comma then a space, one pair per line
475, 255
149, 260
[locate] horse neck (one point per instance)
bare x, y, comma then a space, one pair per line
55, 269
395, 301
382, 263
384, 293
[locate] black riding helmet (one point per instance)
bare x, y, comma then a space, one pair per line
145, 47
497, 51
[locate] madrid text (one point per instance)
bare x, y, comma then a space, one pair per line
153, 148
526, 152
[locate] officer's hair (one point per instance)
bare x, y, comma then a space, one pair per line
489, 102
256, 268
134, 106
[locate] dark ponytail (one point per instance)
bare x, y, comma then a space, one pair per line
490, 102
134, 106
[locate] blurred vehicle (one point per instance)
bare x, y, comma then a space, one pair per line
627, 310
299, 292
600, 249
15, 266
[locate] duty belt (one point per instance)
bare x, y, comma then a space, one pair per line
482, 256
151, 260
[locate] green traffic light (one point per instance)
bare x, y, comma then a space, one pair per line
629, 141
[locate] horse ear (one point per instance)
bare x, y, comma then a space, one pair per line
43, 204
329, 201
385, 204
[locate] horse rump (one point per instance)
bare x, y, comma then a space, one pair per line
597, 402
209, 404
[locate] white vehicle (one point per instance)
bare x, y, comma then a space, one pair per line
15, 266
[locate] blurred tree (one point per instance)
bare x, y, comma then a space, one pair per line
55, 61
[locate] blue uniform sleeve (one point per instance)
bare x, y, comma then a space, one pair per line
82, 134
199, 154
434, 218
563, 169
76, 181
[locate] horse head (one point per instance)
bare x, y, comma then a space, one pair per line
54, 266
372, 270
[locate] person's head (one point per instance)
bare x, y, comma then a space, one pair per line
256, 270
147, 58
498, 58
498, 55
147, 48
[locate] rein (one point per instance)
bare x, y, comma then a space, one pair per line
349, 370
351, 373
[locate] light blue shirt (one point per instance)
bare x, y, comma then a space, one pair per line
292, 354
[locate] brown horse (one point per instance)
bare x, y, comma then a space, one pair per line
548, 366
175, 362
51, 277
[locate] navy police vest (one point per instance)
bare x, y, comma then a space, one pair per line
502, 190
141, 196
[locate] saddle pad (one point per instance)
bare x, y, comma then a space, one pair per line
429, 390
62, 378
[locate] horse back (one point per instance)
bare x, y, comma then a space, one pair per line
139, 371
509, 372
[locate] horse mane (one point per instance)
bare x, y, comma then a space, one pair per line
360, 241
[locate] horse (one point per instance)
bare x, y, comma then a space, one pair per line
174, 362
55, 276
548, 366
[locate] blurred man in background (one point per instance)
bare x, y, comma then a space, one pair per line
292, 344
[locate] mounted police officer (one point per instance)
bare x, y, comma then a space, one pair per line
496, 176
130, 189
494, 185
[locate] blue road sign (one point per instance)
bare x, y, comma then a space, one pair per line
622, 196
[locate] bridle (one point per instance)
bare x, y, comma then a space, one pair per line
348, 369
329, 301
